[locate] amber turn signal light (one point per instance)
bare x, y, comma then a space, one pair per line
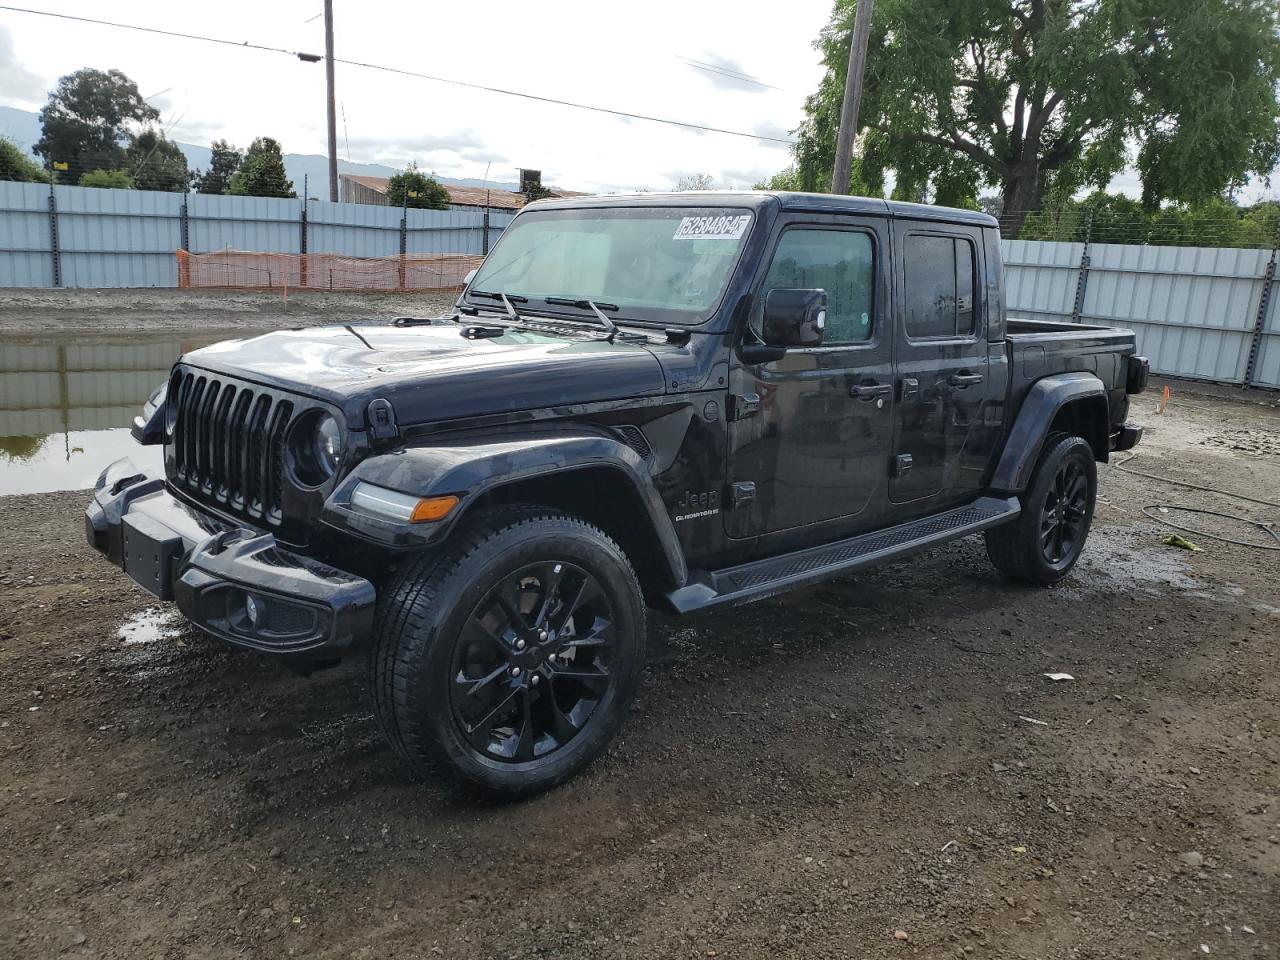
432, 508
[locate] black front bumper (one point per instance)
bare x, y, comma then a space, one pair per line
219, 573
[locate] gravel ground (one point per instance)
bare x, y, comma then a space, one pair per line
876, 767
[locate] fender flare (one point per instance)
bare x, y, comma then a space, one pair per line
470, 467
1027, 435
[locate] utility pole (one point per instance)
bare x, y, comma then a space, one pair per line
852, 96
333, 113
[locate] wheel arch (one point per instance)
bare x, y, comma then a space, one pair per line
584, 471
1074, 403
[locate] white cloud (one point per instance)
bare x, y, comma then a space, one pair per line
21, 87
577, 50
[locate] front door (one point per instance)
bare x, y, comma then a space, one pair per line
943, 382
811, 431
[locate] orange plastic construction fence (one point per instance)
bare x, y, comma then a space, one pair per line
323, 271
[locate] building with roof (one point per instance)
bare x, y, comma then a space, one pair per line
356, 189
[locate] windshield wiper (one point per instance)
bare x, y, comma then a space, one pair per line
506, 301
597, 308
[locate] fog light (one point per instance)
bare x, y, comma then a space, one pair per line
251, 609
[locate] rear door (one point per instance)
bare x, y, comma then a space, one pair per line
943, 386
810, 431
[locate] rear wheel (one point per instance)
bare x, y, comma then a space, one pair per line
1046, 540
508, 659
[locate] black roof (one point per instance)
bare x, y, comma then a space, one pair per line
754, 199
830, 202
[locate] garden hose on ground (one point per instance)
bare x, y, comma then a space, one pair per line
1267, 527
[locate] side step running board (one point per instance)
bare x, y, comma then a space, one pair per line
764, 578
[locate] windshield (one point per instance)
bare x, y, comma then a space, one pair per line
658, 264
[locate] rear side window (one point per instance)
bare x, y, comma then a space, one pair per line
841, 262
939, 277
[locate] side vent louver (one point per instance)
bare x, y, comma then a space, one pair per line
634, 438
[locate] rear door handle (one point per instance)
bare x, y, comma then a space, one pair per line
965, 379
869, 391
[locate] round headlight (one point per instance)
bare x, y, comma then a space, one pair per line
328, 444
315, 448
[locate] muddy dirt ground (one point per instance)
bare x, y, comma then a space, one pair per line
872, 768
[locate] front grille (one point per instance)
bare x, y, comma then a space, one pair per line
228, 444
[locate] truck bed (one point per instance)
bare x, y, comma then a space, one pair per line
1020, 328
1040, 348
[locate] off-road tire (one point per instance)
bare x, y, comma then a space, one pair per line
1016, 548
417, 627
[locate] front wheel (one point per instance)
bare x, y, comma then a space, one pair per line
508, 659
1046, 540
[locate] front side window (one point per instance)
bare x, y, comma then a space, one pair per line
938, 273
841, 262
661, 264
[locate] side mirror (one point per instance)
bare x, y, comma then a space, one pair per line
795, 318
471, 275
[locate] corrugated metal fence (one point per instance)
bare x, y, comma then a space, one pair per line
1208, 313
84, 237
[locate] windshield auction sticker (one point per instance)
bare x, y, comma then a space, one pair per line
712, 228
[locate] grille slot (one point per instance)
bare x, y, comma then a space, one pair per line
229, 444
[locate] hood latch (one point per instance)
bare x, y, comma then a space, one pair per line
382, 419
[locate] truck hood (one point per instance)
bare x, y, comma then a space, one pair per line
434, 373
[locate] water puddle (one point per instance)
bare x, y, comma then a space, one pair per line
149, 626
68, 461
1133, 558
66, 404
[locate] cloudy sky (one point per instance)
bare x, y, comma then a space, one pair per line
633, 58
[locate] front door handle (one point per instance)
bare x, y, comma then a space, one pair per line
869, 391
963, 380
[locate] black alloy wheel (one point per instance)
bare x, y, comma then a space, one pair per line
1062, 517
1043, 544
531, 664
508, 657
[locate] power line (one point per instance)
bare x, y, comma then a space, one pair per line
400, 71
726, 72
564, 103
164, 33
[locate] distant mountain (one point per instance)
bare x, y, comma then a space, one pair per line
23, 128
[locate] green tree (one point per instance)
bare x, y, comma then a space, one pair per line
157, 163
1260, 225
15, 164
430, 193
261, 173
223, 164
88, 121
788, 179
115, 179
1043, 97
695, 181
1113, 218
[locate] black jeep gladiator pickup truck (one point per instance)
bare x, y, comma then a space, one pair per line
683, 400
